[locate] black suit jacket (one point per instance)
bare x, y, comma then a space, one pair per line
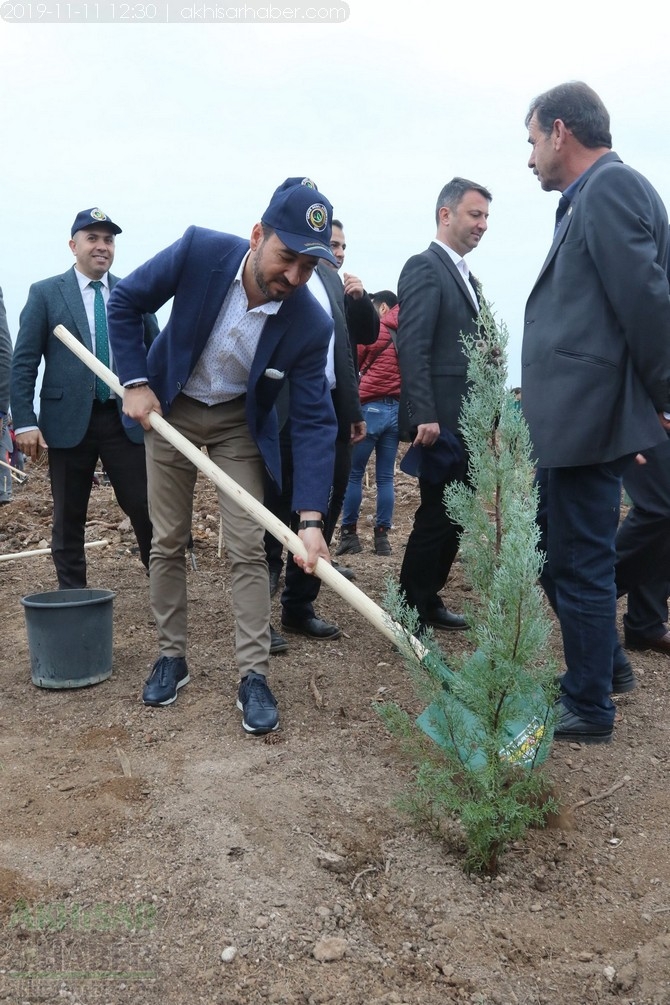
362, 320
596, 348
345, 394
435, 307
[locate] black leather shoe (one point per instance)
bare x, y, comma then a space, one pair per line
573, 728
278, 644
659, 643
623, 680
313, 628
273, 577
344, 570
623, 677
445, 620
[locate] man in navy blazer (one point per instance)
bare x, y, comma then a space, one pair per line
242, 324
595, 381
74, 423
438, 301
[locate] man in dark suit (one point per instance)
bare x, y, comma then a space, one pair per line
79, 420
596, 377
242, 325
438, 301
300, 592
362, 325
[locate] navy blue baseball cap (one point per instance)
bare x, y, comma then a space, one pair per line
91, 218
302, 218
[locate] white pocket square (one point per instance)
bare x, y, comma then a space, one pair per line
275, 374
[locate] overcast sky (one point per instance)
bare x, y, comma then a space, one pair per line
165, 125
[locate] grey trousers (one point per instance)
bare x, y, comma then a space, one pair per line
171, 477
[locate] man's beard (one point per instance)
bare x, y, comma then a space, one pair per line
259, 279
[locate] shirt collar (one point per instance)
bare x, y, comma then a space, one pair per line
453, 255
84, 281
271, 307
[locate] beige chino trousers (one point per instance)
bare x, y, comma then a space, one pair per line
171, 478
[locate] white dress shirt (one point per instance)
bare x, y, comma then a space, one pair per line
318, 291
222, 372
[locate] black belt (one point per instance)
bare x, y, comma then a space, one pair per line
110, 403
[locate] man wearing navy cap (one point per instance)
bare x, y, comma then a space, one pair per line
79, 420
242, 325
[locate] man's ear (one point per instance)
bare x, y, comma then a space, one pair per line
256, 236
444, 214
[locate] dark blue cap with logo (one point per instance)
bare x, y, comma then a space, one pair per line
93, 218
302, 218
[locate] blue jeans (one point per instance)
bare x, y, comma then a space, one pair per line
381, 417
578, 517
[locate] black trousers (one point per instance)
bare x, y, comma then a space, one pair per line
71, 470
301, 589
643, 544
431, 548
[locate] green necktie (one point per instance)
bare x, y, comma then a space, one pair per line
101, 339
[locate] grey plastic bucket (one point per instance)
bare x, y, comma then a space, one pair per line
69, 637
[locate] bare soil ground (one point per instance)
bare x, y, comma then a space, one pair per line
137, 845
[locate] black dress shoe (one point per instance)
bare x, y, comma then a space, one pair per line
623, 680
273, 578
573, 728
344, 570
623, 676
278, 644
313, 628
445, 620
659, 643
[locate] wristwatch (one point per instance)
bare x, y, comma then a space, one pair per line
305, 524
136, 383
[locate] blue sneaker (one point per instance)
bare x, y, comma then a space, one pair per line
257, 704
168, 674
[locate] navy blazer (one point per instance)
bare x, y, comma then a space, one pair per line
596, 348
68, 386
197, 270
435, 307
